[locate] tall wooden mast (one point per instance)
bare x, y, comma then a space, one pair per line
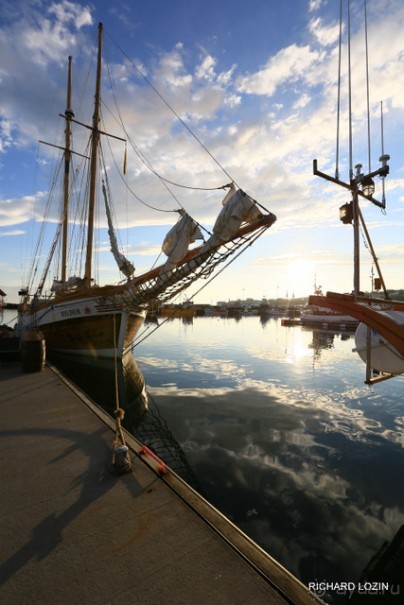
94, 162
68, 115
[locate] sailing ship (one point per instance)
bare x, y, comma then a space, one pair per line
379, 337
84, 319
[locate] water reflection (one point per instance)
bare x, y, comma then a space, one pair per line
103, 380
299, 491
285, 439
276, 428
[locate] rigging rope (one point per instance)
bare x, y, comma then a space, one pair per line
147, 163
174, 112
367, 85
41, 238
120, 458
350, 94
339, 93
129, 188
150, 167
243, 245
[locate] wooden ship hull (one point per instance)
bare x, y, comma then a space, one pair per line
86, 326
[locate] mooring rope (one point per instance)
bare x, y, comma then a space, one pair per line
120, 458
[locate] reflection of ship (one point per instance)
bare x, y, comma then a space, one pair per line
380, 341
78, 316
321, 340
325, 339
104, 380
142, 417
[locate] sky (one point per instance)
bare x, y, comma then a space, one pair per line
256, 87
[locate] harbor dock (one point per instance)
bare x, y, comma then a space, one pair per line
74, 531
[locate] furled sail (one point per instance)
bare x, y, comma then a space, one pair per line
177, 240
238, 207
124, 265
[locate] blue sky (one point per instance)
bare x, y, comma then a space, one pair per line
256, 83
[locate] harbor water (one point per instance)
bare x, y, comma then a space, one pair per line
276, 428
285, 438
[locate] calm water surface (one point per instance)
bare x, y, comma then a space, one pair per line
284, 437
277, 429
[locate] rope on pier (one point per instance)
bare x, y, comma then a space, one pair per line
120, 458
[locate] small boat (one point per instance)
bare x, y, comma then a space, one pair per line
248, 311
175, 311
220, 312
267, 310
320, 316
317, 316
379, 337
289, 322
77, 316
216, 311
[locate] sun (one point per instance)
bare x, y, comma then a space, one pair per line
301, 277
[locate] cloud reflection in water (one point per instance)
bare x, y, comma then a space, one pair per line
307, 462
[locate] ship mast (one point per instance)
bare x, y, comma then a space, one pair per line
69, 114
361, 185
94, 161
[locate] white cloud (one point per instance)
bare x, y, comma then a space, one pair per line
11, 233
171, 70
324, 34
232, 100
67, 12
314, 5
252, 123
16, 211
206, 70
287, 66
224, 78
5, 134
52, 38
302, 101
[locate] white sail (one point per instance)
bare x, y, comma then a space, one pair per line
238, 207
178, 239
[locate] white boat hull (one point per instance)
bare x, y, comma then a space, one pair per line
383, 356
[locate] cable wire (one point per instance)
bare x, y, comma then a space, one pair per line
171, 108
338, 94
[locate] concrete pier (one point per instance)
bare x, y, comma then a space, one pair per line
73, 533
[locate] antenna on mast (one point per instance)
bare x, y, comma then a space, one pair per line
367, 88
384, 158
351, 173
